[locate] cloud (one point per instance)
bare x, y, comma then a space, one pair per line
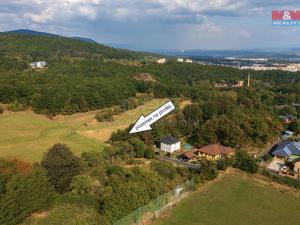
157, 22
171, 11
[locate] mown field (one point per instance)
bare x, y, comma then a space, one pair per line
26, 135
233, 200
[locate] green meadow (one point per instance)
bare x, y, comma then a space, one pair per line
26, 135
233, 200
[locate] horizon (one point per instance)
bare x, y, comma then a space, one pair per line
158, 24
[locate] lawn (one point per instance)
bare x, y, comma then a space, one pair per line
235, 201
26, 135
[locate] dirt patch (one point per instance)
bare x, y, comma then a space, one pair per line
147, 77
185, 103
37, 215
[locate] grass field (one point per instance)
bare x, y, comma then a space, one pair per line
233, 200
26, 135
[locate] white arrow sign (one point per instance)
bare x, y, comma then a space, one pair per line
144, 123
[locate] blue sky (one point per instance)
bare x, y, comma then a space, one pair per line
157, 24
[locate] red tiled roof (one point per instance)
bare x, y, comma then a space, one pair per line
215, 149
188, 154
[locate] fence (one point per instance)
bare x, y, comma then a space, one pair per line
157, 206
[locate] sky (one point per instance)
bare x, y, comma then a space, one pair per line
157, 24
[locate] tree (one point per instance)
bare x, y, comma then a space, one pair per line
245, 162
149, 153
92, 158
138, 146
26, 194
61, 166
220, 129
81, 184
208, 170
295, 126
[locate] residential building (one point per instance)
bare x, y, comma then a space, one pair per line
214, 151
189, 61
40, 64
170, 144
188, 155
180, 60
288, 134
283, 152
162, 61
287, 150
288, 118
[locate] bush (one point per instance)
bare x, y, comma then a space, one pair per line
107, 116
149, 153
245, 162
164, 169
16, 106
70, 214
61, 166
208, 170
81, 184
134, 162
92, 158
282, 179
25, 194
224, 163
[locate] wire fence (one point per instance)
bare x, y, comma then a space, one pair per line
155, 207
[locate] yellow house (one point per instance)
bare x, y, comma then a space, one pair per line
214, 151
297, 168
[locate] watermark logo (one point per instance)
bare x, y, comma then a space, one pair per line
286, 17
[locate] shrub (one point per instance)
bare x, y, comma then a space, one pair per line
107, 116
208, 170
149, 153
81, 184
245, 162
25, 194
1, 109
224, 163
282, 179
164, 169
134, 162
117, 170
16, 106
92, 158
61, 166
70, 214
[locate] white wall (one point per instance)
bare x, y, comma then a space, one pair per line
170, 148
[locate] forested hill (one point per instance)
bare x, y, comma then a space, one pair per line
27, 48
82, 76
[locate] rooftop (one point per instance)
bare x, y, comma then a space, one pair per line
287, 149
169, 140
215, 149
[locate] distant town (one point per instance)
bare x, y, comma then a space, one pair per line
257, 64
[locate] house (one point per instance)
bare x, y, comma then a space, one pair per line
40, 64
170, 144
187, 156
287, 150
288, 118
180, 60
283, 152
214, 151
162, 61
189, 61
288, 134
